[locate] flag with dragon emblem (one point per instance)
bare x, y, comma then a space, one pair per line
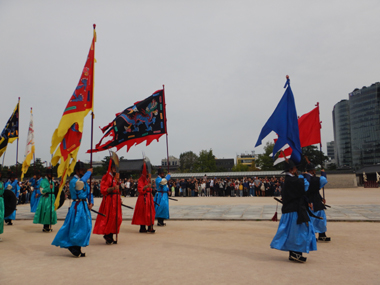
10, 132
67, 137
144, 121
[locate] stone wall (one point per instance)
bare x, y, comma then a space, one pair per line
341, 181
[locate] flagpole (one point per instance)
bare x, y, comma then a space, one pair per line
18, 136
2, 166
167, 143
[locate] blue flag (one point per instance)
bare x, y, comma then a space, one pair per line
284, 122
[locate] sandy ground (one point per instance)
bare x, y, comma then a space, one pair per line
353, 196
191, 252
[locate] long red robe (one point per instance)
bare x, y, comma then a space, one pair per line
144, 210
111, 202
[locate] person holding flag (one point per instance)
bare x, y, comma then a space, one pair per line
46, 214
76, 230
145, 211
12, 184
111, 206
315, 198
295, 233
161, 199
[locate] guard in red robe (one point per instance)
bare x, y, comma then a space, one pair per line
110, 206
144, 211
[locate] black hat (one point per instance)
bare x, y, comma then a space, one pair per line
310, 166
12, 175
289, 164
79, 165
160, 171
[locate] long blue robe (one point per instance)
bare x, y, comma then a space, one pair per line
33, 199
320, 226
162, 199
76, 230
291, 236
15, 189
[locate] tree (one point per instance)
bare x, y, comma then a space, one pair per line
240, 167
314, 155
188, 161
264, 161
206, 161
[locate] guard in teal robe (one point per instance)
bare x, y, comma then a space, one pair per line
15, 189
161, 198
36, 194
76, 230
46, 214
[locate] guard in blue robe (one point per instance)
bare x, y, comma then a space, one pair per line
161, 198
295, 232
12, 184
315, 198
76, 230
36, 194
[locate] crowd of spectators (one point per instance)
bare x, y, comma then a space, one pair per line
192, 187
226, 187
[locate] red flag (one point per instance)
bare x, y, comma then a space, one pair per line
309, 127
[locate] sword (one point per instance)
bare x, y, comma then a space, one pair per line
97, 213
173, 199
127, 206
308, 210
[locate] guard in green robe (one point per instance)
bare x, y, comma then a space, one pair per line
46, 213
1, 206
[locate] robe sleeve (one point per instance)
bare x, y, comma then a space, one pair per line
105, 183
322, 181
140, 188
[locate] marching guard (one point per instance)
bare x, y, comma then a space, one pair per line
36, 194
145, 212
295, 232
12, 184
161, 199
76, 230
110, 206
318, 202
46, 214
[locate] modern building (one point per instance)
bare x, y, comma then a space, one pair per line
246, 159
330, 150
357, 128
224, 164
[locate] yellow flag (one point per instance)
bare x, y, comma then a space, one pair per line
29, 151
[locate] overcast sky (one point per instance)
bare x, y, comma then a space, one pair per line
223, 64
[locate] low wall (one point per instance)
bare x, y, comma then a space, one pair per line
341, 180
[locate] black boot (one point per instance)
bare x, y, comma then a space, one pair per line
296, 256
46, 229
323, 237
160, 222
108, 238
142, 229
75, 251
151, 230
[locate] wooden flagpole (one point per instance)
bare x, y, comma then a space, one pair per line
18, 132
167, 143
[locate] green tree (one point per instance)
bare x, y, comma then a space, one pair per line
240, 167
206, 161
264, 161
314, 155
188, 161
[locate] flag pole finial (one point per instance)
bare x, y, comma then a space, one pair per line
94, 26
287, 76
